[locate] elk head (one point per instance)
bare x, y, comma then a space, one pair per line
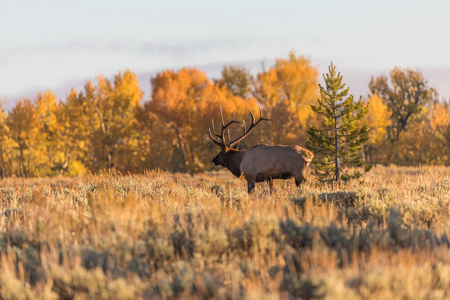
232, 146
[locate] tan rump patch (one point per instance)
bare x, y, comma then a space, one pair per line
307, 155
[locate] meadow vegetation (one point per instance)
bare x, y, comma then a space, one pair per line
161, 235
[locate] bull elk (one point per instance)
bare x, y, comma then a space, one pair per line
261, 162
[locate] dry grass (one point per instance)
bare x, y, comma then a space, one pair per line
173, 236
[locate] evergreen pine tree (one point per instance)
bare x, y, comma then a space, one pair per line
338, 143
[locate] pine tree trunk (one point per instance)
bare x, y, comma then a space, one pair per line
336, 160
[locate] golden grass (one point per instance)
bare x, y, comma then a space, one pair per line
162, 235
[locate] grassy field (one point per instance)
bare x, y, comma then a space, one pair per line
164, 235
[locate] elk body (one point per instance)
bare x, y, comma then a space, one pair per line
261, 162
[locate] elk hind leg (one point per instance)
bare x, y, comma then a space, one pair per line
270, 183
250, 185
299, 180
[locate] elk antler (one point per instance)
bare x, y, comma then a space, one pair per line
219, 139
252, 126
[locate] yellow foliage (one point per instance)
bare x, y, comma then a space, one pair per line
49, 140
378, 120
77, 122
439, 117
112, 107
286, 91
424, 141
5, 145
24, 130
48, 108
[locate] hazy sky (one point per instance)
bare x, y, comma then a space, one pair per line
58, 44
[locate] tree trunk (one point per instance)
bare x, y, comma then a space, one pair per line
336, 159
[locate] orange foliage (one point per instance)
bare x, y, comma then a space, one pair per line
186, 101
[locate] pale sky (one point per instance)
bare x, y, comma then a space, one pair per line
59, 44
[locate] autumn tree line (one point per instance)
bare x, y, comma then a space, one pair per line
108, 124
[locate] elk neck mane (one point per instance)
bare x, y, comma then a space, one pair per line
234, 158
